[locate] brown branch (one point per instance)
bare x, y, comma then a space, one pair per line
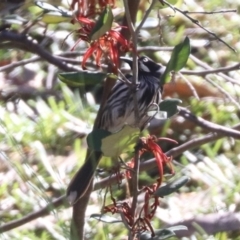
151, 163
212, 12
39, 213
189, 84
210, 223
213, 71
134, 34
26, 43
206, 66
213, 127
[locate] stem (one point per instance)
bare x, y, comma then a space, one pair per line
135, 65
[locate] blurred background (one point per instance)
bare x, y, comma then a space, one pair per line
44, 122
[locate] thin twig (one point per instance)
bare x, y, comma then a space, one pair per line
228, 132
59, 57
222, 90
212, 71
212, 12
145, 16
151, 163
136, 110
34, 215
195, 94
105, 182
19, 63
198, 24
206, 66
220, 71
124, 79
135, 64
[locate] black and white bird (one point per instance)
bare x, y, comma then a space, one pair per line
119, 111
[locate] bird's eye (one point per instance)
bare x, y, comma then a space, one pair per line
145, 60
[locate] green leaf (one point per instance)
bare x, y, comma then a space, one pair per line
104, 218
103, 24
178, 59
56, 17
117, 143
94, 139
171, 187
180, 55
163, 234
82, 78
159, 235
170, 106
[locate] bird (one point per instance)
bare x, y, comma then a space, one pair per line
117, 112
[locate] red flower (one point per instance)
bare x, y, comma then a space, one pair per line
108, 46
89, 7
150, 145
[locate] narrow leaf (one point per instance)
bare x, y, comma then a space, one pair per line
170, 106
178, 59
103, 24
180, 55
56, 17
163, 234
82, 78
159, 235
171, 187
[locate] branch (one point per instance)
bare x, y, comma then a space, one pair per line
212, 71
198, 24
135, 173
189, 84
203, 73
145, 16
206, 66
151, 163
28, 44
210, 223
223, 91
135, 64
213, 12
213, 127
39, 213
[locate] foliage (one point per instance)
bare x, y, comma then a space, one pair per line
44, 123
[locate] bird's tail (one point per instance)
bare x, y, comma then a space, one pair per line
82, 179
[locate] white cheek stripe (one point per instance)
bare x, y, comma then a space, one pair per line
161, 69
144, 67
